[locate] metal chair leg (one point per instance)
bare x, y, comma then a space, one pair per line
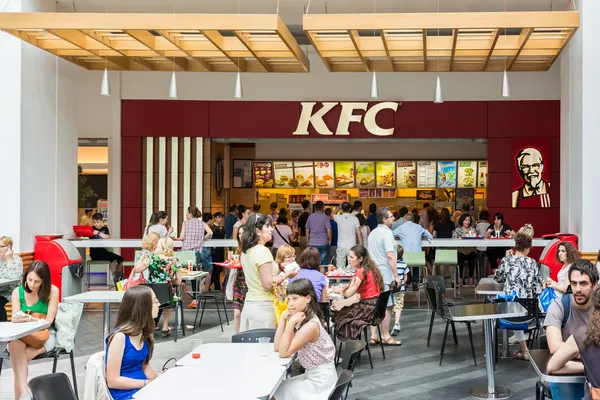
444, 342
55, 361
454, 332
203, 308
471, 340
73, 373
219, 312
430, 328
368, 347
225, 308
196, 319
381, 341
176, 320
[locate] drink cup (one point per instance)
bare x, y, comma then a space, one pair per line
264, 343
190, 266
196, 348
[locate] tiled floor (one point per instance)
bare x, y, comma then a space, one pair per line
410, 371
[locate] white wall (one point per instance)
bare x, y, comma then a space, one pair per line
580, 124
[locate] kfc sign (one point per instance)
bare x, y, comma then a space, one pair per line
347, 116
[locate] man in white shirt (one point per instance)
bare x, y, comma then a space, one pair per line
348, 232
410, 235
382, 251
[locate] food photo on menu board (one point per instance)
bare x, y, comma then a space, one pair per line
386, 174
482, 174
344, 174
465, 196
425, 194
446, 174
263, 175
406, 174
284, 174
304, 174
426, 174
365, 174
467, 174
324, 174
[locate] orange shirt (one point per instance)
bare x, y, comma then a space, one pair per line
368, 289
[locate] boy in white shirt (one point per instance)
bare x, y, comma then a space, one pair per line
402, 272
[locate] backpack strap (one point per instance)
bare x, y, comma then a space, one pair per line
566, 303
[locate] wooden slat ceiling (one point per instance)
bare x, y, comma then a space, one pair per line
462, 42
163, 42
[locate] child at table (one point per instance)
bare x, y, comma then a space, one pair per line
399, 306
131, 343
101, 254
301, 331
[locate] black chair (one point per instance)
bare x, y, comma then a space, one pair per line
211, 294
379, 315
51, 387
55, 354
350, 356
436, 306
532, 320
326, 308
253, 335
164, 294
341, 387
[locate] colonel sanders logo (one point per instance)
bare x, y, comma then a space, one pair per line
534, 191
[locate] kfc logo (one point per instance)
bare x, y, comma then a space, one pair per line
534, 190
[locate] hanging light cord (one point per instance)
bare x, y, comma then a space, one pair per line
5, 5
307, 7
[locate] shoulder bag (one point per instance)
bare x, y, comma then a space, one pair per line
280, 235
36, 339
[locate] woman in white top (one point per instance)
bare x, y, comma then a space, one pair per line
159, 223
567, 254
301, 332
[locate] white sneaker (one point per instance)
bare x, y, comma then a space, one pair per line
396, 329
512, 340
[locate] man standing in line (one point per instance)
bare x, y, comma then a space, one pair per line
274, 214
318, 232
230, 221
356, 211
382, 250
302, 224
372, 219
410, 235
348, 231
423, 217
334, 234
401, 213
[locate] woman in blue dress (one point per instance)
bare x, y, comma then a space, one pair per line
130, 344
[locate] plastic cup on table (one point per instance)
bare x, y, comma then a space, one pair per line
196, 348
264, 342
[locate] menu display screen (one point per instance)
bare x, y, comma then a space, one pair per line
386, 174
406, 174
467, 174
365, 174
446, 174
344, 174
482, 175
426, 174
263, 174
304, 174
284, 175
324, 174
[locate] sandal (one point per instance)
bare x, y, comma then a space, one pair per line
166, 332
373, 342
390, 341
521, 356
193, 304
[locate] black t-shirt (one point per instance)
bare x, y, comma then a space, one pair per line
444, 230
361, 219
104, 230
218, 253
302, 222
505, 227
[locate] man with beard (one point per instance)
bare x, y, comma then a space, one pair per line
535, 192
566, 315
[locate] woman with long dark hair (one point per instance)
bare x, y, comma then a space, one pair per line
368, 283
130, 345
301, 331
36, 289
586, 343
237, 275
159, 223
566, 254
261, 273
499, 229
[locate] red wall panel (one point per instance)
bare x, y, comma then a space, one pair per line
524, 118
131, 149
499, 155
156, 118
131, 189
454, 119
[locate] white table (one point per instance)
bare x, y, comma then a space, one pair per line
193, 276
16, 330
137, 243
488, 313
477, 243
9, 281
224, 355
489, 289
98, 296
211, 382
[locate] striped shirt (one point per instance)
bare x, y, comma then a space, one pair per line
402, 271
193, 234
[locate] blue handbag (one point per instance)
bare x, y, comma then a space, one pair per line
505, 324
546, 298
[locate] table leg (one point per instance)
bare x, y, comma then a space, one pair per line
106, 323
491, 391
504, 343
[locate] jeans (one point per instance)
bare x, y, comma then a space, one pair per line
324, 253
567, 390
470, 259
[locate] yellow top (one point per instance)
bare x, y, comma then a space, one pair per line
251, 260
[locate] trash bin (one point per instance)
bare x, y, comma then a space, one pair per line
64, 260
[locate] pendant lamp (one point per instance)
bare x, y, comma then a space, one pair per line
105, 87
374, 87
173, 87
438, 92
239, 93
505, 85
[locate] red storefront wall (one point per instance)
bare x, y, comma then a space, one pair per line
498, 122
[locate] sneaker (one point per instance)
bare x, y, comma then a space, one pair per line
512, 340
396, 329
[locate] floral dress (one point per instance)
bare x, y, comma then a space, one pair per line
519, 273
163, 269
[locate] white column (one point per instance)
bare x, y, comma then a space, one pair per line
38, 132
580, 127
